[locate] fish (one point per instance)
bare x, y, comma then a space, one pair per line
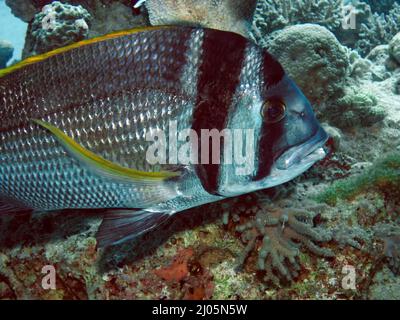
227, 15
77, 125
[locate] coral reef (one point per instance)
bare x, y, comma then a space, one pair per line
383, 176
356, 109
381, 6
309, 51
379, 29
271, 15
275, 236
362, 12
6, 53
394, 48
396, 87
280, 231
105, 16
345, 235
58, 25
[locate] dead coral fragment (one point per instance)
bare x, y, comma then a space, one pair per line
281, 233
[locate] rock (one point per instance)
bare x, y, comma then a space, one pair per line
394, 48
228, 15
6, 53
313, 58
23, 9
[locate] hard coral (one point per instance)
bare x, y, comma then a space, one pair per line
59, 25
356, 109
313, 58
378, 29
271, 15
280, 233
381, 6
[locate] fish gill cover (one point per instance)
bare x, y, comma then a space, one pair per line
331, 233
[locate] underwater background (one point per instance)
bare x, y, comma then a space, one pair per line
341, 218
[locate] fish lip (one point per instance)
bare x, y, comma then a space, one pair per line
308, 152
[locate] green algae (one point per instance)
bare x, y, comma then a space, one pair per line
383, 177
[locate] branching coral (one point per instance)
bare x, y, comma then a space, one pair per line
271, 15
380, 5
280, 232
383, 177
379, 29
345, 235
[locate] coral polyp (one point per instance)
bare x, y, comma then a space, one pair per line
279, 232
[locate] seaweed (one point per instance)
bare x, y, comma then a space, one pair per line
383, 177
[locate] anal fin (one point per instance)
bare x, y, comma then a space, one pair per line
11, 207
122, 225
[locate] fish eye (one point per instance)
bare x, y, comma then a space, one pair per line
273, 110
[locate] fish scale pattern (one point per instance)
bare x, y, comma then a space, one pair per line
131, 85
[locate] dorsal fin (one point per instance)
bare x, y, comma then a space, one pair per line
44, 56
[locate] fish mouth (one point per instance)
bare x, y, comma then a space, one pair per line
306, 153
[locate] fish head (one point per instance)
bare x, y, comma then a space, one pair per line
296, 136
289, 138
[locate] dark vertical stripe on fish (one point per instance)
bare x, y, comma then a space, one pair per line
272, 75
269, 134
272, 70
219, 75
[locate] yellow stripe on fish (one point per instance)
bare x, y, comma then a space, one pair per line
97, 162
44, 56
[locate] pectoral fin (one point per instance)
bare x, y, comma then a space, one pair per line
101, 165
122, 225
